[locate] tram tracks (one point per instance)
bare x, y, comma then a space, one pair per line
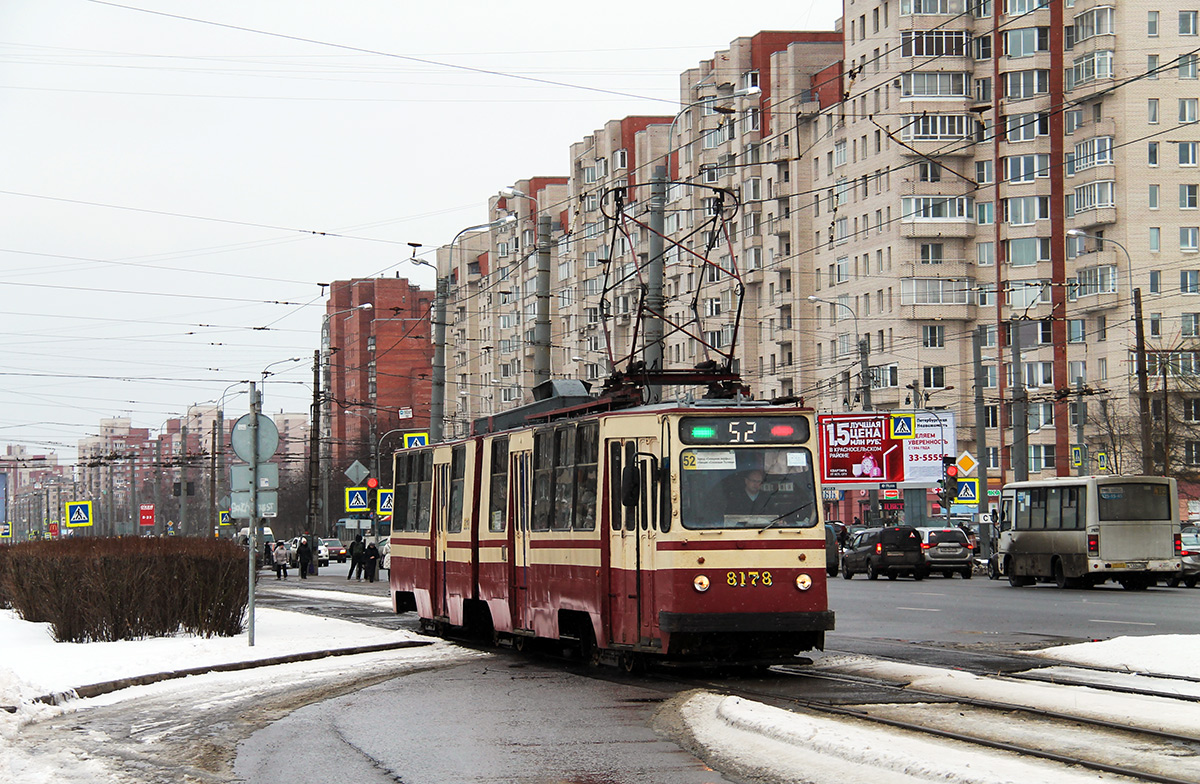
1131, 746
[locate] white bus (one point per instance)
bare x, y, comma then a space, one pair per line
1081, 531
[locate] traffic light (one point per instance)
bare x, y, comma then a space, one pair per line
372, 483
950, 478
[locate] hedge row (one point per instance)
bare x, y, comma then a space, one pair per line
105, 589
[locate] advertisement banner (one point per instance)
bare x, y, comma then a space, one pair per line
933, 437
859, 448
146, 515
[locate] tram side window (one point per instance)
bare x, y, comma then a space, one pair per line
587, 446
564, 480
457, 477
614, 485
543, 480
631, 460
424, 489
400, 518
498, 501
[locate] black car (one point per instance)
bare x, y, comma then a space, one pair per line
892, 551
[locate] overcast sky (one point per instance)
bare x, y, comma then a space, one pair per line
166, 166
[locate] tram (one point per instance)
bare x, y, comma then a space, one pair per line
683, 532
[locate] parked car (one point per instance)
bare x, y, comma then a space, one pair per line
892, 551
336, 550
294, 558
1189, 575
946, 550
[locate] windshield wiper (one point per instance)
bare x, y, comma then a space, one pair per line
785, 515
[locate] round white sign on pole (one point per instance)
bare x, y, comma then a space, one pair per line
268, 438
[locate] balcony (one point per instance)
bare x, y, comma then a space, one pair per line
939, 312
938, 228
1094, 303
963, 147
946, 268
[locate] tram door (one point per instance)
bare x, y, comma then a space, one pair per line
520, 477
632, 499
441, 492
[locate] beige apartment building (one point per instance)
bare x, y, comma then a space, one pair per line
931, 172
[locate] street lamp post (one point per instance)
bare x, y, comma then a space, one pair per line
745, 92
864, 351
326, 410
437, 402
1139, 354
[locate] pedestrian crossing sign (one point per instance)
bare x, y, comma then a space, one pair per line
968, 490
383, 502
224, 518
1076, 457
356, 499
78, 514
903, 426
415, 439
1102, 461
5, 530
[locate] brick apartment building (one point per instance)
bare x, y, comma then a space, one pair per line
378, 372
923, 175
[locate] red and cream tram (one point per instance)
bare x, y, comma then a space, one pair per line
679, 532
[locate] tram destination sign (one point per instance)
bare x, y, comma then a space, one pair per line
744, 430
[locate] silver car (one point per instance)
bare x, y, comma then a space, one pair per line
946, 550
1189, 575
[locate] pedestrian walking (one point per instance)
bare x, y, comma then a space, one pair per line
356, 557
370, 561
304, 555
281, 560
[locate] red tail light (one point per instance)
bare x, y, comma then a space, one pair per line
1189, 552
1178, 545
1094, 544
878, 548
925, 545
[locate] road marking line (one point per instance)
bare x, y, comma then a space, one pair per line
919, 609
1126, 623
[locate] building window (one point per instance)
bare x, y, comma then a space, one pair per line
1075, 330
1151, 66
933, 336
1041, 457
1187, 22
1189, 325
936, 84
1189, 282
1155, 281
1155, 239
1189, 238
1187, 109
1152, 153
1152, 24
1187, 153
932, 253
985, 254
934, 377
1152, 197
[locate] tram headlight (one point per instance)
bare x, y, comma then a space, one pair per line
803, 582
700, 583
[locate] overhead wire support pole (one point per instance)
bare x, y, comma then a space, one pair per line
654, 279
541, 324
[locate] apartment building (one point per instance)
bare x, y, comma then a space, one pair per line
930, 173
377, 361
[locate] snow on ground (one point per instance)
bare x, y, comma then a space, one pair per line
755, 735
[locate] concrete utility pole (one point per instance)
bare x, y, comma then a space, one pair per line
212, 481
315, 504
541, 324
864, 357
183, 461
1080, 421
1020, 416
437, 403
1142, 382
977, 339
157, 480
656, 222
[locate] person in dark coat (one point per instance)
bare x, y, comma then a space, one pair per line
370, 561
356, 557
304, 556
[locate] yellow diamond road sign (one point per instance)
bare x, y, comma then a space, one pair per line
966, 463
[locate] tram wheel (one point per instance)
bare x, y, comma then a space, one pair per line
520, 643
632, 663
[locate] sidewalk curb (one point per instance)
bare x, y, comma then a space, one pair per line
97, 689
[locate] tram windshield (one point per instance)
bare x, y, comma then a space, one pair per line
750, 487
